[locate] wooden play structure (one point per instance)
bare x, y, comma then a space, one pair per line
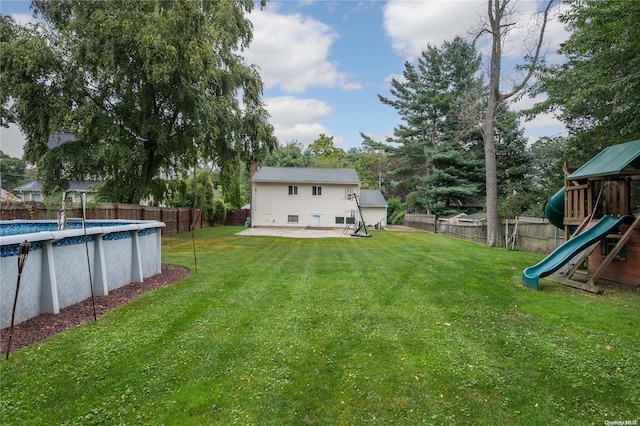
605, 191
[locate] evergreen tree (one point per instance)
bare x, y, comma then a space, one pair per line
433, 102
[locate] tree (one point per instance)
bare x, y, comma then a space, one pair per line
12, 171
432, 102
325, 154
143, 85
549, 155
453, 181
498, 12
289, 155
596, 91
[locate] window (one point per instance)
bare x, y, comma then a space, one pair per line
347, 193
293, 189
292, 218
317, 190
607, 245
348, 220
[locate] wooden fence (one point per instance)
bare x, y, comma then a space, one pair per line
237, 217
527, 234
176, 219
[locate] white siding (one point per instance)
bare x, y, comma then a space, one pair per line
375, 216
272, 204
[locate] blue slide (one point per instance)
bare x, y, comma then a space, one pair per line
570, 248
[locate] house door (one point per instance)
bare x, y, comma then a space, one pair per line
316, 220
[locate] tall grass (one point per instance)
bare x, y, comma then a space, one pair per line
401, 328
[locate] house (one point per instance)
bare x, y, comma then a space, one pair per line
312, 197
7, 195
32, 191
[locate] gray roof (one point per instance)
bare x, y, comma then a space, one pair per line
372, 198
74, 185
306, 175
57, 139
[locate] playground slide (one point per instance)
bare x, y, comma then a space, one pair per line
554, 209
570, 248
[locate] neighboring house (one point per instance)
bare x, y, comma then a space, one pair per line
310, 197
7, 195
32, 191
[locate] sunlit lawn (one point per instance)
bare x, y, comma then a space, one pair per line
401, 328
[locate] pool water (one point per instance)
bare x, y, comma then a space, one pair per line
17, 228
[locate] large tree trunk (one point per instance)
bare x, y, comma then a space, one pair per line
488, 126
497, 10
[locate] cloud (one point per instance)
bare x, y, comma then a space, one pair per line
412, 25
24, 18
296, 119
545, 124
292, 52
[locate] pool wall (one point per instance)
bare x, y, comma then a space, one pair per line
56, 273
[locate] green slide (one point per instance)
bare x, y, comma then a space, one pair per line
570, 248
554, 208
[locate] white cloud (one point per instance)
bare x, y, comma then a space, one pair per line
545, 124
24, 18
412, 25
292, 52
296, 119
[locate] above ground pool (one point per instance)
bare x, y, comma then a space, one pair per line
62, 266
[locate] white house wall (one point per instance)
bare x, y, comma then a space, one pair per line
272, 205
375, 216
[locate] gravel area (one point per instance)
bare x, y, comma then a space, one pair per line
44, 326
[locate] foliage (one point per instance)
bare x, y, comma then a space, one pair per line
198, 192
231, 179
452, 181
219, 211
291, 154
596, 91
12, 171
436, 102
417, 328
324, 154
143, 86
395, 212
370, 165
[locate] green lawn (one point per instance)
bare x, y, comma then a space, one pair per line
402, 328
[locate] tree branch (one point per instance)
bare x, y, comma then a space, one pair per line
534, 60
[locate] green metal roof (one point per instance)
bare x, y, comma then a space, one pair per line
610, 161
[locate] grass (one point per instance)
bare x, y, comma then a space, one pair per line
401, 328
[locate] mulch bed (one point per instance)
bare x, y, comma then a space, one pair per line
44, 326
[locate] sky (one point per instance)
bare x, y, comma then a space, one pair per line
324, 63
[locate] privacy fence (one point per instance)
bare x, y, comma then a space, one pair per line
523, 233
177, 220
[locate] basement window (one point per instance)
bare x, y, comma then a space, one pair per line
292, 218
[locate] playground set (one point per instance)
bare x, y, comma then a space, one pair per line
599, 210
